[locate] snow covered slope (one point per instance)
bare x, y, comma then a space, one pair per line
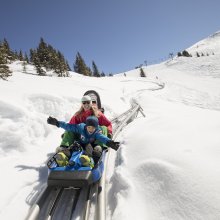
168, 164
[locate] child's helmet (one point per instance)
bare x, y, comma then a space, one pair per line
92, 121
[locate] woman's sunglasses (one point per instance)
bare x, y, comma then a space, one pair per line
86, 102
94, 102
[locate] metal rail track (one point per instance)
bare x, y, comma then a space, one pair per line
88, 203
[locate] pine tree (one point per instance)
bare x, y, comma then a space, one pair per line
4, 69
24, 65
68, 67
36, 61
52, 58
9, 54
21, 58
26, 58
142, 73
185, 53
45, 56
89, 71
16, 55
95, 70
179, 54
80, 66
102, 74
60, 65
32, 54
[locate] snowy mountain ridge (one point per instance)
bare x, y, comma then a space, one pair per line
206, 46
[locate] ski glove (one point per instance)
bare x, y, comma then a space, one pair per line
114, 145
53, 121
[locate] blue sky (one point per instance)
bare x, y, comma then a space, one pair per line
117, 34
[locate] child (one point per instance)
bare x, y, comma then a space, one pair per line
89, 133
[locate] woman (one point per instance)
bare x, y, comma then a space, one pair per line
88, 108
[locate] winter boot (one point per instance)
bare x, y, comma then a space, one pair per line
86, 161
62, 159
97, 153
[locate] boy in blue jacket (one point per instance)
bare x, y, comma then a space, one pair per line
89, 133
